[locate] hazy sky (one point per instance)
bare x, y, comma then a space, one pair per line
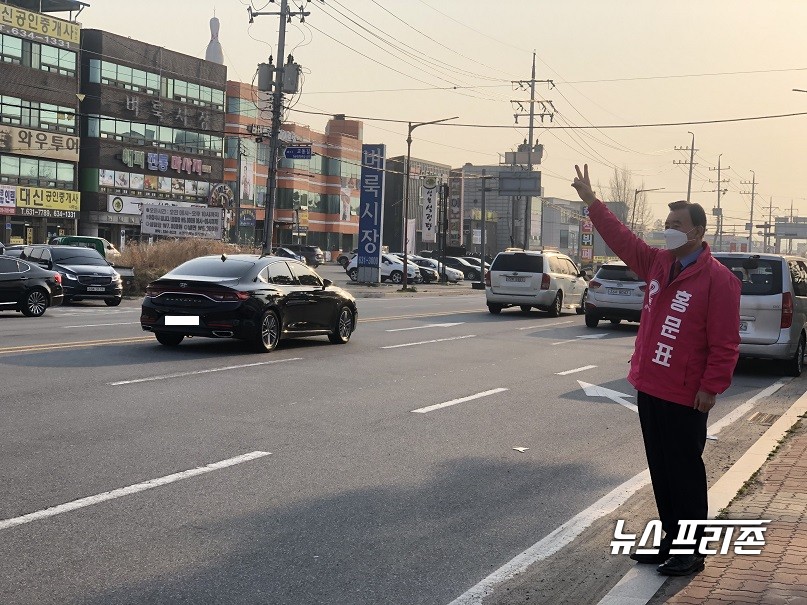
613, 62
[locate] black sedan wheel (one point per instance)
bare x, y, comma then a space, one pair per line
169, 339
36, 301
343, 328
268, 334
112, 302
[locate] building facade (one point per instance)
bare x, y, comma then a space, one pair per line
39, 137
152, 132
394, 190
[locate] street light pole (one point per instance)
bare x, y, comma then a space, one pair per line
635, 198
405, 237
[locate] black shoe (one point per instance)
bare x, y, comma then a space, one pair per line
651, 559
682, 565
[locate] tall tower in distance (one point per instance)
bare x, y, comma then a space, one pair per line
214, 52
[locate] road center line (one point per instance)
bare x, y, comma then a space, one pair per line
567, 372
182, 374
124, 323
456, 401
539, 326
426, 342
127, 491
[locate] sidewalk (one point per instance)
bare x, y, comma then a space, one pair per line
779, 574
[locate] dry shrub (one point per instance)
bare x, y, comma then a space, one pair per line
151, 261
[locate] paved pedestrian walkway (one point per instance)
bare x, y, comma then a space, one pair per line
779, 574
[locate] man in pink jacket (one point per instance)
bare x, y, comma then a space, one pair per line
685, 353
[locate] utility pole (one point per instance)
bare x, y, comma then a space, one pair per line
547, 110
277, 105
753, 184
718, 239
691, 149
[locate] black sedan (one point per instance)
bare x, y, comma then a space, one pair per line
259, 299
28, 288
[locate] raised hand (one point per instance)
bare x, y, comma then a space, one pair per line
583, 185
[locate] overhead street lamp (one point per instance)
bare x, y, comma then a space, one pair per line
406, 194
635, 198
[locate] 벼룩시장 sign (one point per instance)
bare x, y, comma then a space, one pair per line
371, 212
39, 28
182, 221
38, 143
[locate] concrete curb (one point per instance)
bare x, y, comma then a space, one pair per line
642, 582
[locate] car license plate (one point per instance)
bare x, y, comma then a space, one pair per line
96, 289
181, 320
519, 280
619, 291
743, 326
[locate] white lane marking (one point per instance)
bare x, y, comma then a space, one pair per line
426, 342
181, 374
593, 390
446, 325
743, 409
567, 372
552, 543
124, 323
579, 338
456, 401
127, 491
538, 326
567, 532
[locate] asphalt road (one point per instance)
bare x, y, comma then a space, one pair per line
350, 495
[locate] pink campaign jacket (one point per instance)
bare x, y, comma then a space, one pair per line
689, 335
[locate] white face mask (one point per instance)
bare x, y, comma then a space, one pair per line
674, 239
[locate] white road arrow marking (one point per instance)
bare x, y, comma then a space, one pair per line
446, 325
521, 449
593, 390
578, 338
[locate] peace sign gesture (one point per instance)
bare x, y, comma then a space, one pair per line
583, 185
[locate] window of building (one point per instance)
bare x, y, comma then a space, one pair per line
31, 114
36, 172
37, 56
159, 136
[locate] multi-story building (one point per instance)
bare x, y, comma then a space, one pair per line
153, 131
394, 191
317, 199
39, 139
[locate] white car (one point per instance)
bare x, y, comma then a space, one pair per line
452, 275
546, 280
391, 269
615, 293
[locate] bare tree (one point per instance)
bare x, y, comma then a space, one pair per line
639, 215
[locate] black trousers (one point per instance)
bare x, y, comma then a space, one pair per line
674, 438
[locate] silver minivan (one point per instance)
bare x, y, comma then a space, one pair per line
773, 306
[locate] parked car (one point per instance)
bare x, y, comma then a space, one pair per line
476, 262
615, 293
104, 247
773, 306
14, 250
344, 258
261, 300
428, 275
313, 255
391, 270
452, 275
286, 253
546, 280
2, 247
85, 273
27, 287
469, 271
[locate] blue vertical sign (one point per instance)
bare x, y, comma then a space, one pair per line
371, 212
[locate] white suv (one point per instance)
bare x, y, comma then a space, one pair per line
391, 269
546, 280
615, 293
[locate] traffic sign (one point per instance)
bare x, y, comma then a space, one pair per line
298, 153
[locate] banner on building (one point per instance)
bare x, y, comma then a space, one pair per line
182, 221
428, 196
50, 199
247, 187
41, 28
130, 205
456, 184
8, 199
586, 238
371, 212
38, 143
